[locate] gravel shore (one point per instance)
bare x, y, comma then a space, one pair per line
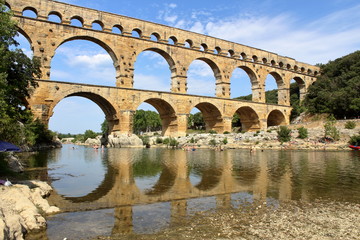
292, 220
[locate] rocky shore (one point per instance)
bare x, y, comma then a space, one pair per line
23, 207
320, 220
269, 139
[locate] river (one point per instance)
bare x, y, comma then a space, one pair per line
113, 191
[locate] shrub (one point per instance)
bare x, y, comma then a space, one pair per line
159, 140
212, 132
303, 132
284, 134
212, 142
166, 141
192, 140
350, 125
330, 129
225, 141
355, 140
226, 132
145, 140
173, 142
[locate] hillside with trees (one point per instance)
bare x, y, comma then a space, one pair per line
337, 90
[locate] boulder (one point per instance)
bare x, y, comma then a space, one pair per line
124, 140
21, 206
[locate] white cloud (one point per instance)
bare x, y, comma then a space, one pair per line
92, 61
200, 69
150, 82
317, 41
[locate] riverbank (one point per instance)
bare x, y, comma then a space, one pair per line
23, 208
290, 221
267, 139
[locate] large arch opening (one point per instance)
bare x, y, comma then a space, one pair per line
297, 94
209, 118
202, 75
246, 119
24, 43
153, 70
84, 60
243, 81
273, 83
276, 118
83, 111
166, 113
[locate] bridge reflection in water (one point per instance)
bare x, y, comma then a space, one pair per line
178, 183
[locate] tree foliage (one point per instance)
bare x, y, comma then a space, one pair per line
146, 121
196, 121
17, 74
284, 134
337, 90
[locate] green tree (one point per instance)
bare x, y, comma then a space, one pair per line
196, 121
146, 121
284, 134
17, 74
336, 91
303, 132
105, 127
330, 129
89, 134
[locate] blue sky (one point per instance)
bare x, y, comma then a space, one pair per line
313, 31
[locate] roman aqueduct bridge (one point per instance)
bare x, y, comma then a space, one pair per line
124, 38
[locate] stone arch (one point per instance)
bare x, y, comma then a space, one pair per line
243, 56
255, 58
276, 118
155, 37
189, 42
106, 106
217, 50
205, 62
99, 23
78, 18
97, 41
172, 40
211, 115
253, 80
168, 59
282, 90
167, 115
249, 119
279, 80
136, 31
231, 53
213, 66
55, 13
32, 9
22, 32
117, 27
302, 87
203, 47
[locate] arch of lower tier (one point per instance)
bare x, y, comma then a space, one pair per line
119, 106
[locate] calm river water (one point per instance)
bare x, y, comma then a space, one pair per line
124, 190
